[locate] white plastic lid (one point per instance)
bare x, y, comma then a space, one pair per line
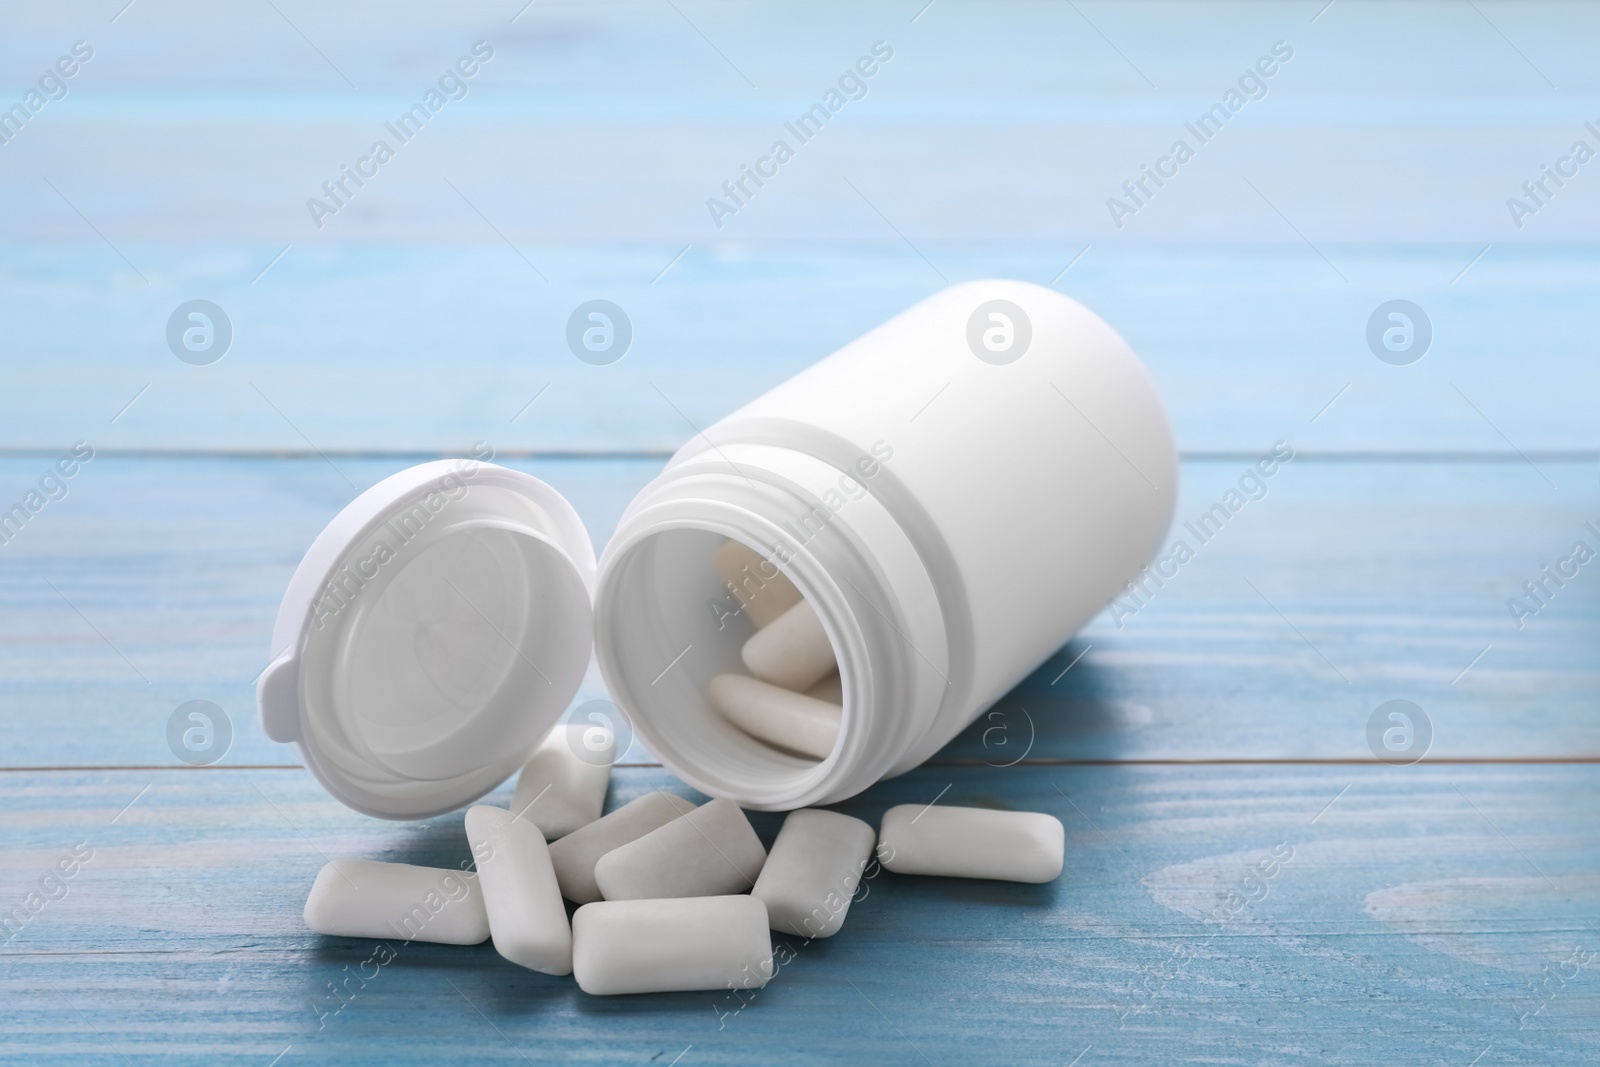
431, 637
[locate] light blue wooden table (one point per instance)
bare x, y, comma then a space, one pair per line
1446, 912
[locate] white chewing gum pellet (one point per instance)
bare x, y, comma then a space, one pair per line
778, 716
667, 946
755, 581
575, 855
711, 851
558, 790
812, 871
527, 919
1013, 846
365, 898
830, 689
791, 651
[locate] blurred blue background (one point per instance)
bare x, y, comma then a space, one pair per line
426, 313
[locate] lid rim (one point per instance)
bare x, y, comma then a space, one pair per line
280, 694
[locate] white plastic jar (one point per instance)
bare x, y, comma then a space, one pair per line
954, 493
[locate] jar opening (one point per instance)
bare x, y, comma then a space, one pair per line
675, 624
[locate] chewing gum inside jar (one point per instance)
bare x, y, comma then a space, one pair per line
790, 695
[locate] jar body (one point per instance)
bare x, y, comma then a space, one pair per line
956, 493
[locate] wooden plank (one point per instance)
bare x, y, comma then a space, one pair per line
1348, 585
625, 118
1410, 916
437, 347
137, 541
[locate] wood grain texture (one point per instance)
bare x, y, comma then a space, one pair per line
429, 311
1409, 918
1446, 912
993, 122
434, 347
155, 581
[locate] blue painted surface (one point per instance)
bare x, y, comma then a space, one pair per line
1442, 913
1400, 926
437, 347
155, 581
